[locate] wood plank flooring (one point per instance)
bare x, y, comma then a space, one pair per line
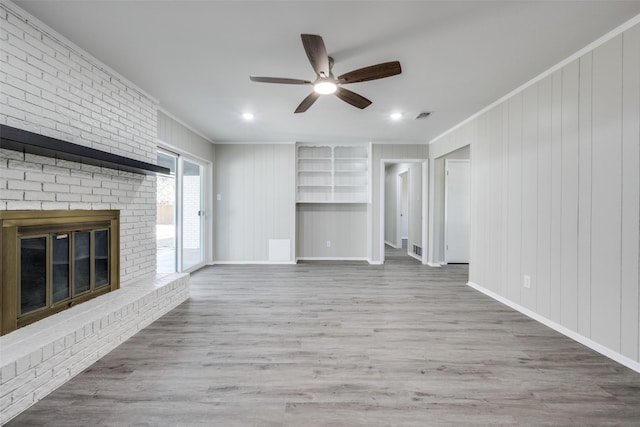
343, 344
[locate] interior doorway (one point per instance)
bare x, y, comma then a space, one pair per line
403, 209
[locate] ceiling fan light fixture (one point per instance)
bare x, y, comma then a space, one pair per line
325, 87
395, 116
248, 116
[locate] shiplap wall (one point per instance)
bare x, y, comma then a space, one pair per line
256, 184
342, 224
555, 195
174, 133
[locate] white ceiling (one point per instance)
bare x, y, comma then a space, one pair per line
457, 57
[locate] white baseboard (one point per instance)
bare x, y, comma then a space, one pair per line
307, 258
434, 264
394, 246
252, 262
412, 255
611, 354
375, 262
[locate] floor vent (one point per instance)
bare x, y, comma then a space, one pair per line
417, 250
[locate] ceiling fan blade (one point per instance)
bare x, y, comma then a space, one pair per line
352, 98
280, 80
317, 53
307, 102
379, 71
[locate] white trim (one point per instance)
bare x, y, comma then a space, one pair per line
434, 264
248, 262
412, 255
29, 19
375, 262
254, 143
392, 245
173, 117
590, 47
321, 258
611, 354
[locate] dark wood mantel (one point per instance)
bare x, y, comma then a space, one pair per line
28, 142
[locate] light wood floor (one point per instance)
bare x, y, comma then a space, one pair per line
349, 344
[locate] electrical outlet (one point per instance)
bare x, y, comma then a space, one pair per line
527, 282
219, 196
328, 243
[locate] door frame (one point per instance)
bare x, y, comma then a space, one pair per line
207, 204
424, 203
402, 177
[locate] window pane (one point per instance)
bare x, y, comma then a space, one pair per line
82, 262
101, 251
60, 272
166, 219
33, 274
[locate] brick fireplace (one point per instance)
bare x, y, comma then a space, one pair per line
51, 87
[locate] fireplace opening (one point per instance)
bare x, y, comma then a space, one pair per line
52, 260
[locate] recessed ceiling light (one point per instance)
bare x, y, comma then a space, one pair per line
395, 116
248, 116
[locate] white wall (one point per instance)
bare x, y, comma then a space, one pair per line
174, 133
555, 195
342, 224
256, 184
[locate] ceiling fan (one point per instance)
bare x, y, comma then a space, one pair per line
325, 82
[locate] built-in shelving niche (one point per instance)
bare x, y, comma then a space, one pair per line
332, 173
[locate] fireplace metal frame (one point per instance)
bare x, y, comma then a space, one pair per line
19, 224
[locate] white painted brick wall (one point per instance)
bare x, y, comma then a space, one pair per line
53, 88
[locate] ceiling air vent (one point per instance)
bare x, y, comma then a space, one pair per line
423, 115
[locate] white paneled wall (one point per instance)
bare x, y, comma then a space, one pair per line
343, 225
556, 196
256, 185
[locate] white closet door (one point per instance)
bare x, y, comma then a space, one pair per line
457, 210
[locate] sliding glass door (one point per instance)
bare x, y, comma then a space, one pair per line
166, 210
180, 214
192, 215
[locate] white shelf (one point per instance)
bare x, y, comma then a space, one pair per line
333, 173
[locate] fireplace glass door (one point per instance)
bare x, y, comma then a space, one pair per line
59, 266
53, 260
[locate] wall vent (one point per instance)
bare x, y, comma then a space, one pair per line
417, 250
423, 115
